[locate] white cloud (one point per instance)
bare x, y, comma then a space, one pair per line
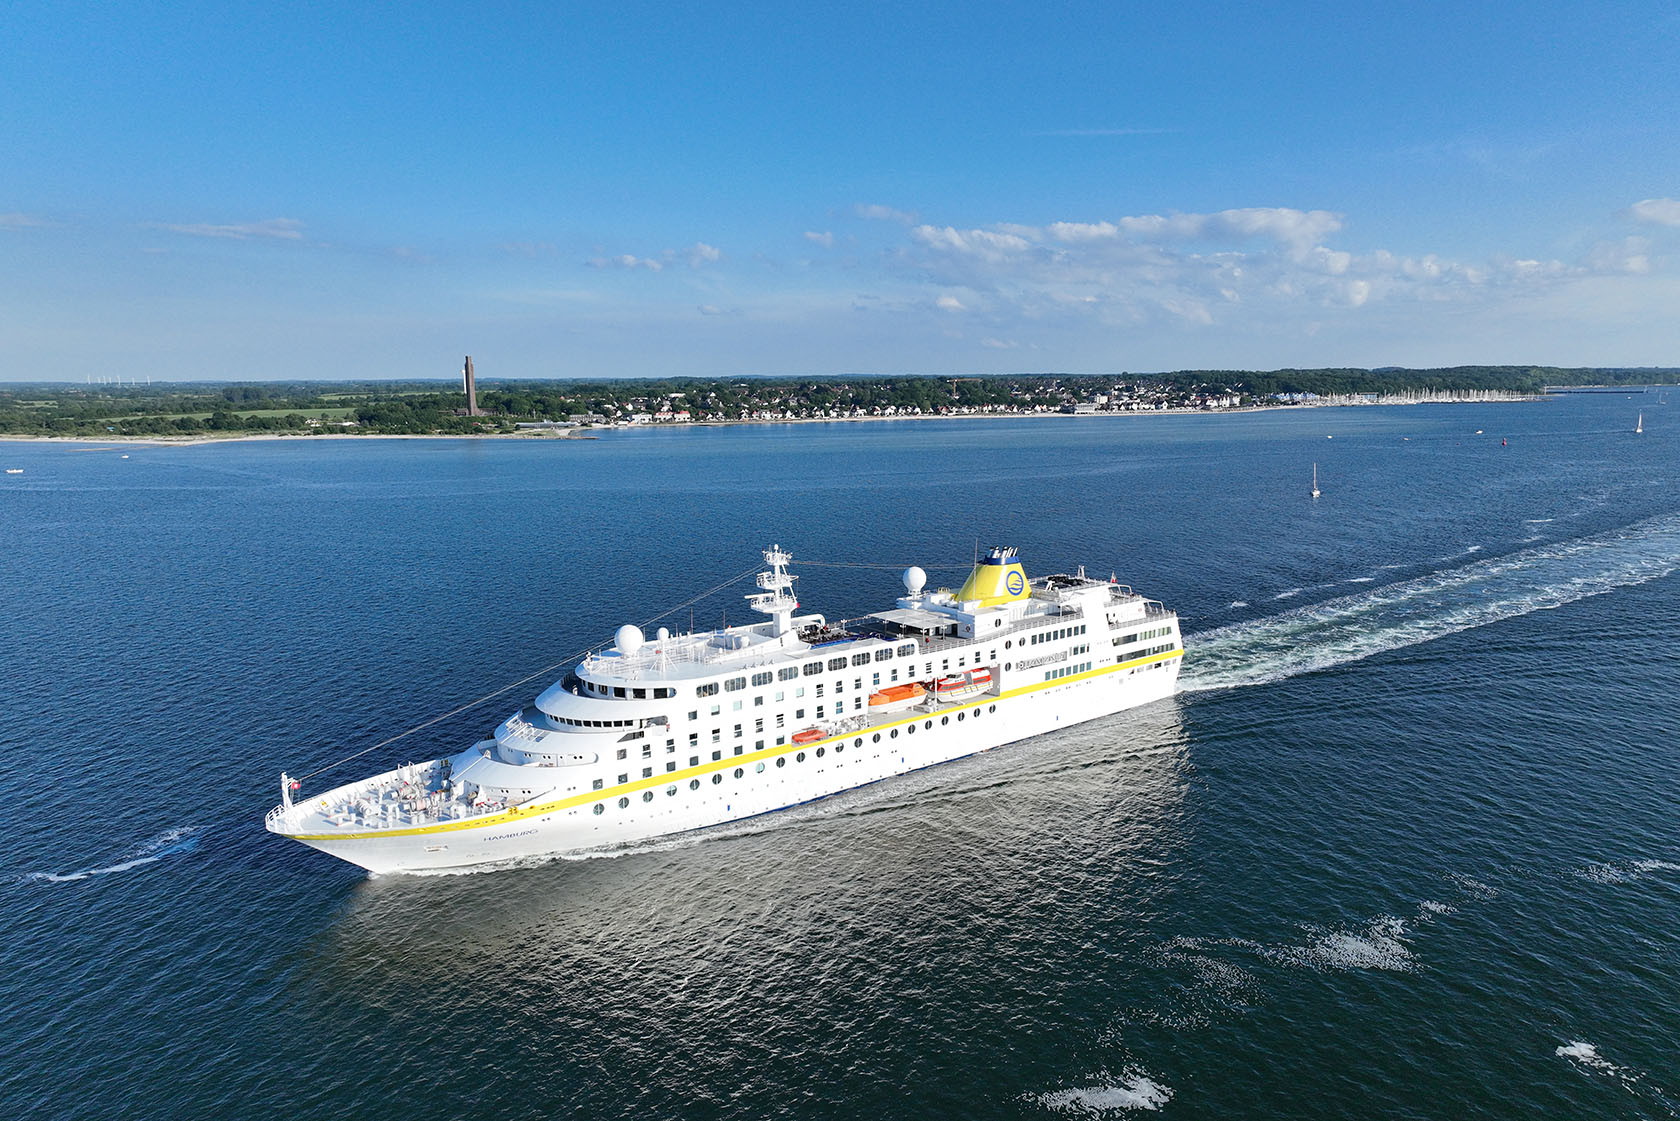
824, 239
1656, 212
876, 213
1000, 344
18, 221
282, 229
625, 261
1298, 229
701, 254
1629, 255
1084, 231
1262, 270
986, 244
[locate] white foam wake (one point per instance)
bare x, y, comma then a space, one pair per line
1132, 1091
1352, 627
167, 843
1625, 872
1587, 1059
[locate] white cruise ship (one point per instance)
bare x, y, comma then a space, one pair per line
666, 734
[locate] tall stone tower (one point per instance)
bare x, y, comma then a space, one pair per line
472, 388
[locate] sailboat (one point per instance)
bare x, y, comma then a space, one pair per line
1639, 429
1315, 481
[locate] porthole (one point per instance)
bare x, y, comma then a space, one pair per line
739, 771
624, 803
928, 724
991, 708
647, 795
716, 779
894, 734
1008, 666
800, 758
876, 738
910, 729
694, 784
781, 761
670, 790
960, 715
759, 769
839, 747
599, 807
855, 743
944, 720
819, 753
1008, 644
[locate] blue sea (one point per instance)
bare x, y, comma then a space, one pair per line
1406, 845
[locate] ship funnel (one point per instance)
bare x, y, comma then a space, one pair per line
997, 579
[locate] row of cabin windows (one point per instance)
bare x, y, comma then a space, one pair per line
781, 761
594, 723
1142, 636
735, 684
623, 693
780, 697
808, 669
1066, 671
1059, 632
791, 672
1128, 655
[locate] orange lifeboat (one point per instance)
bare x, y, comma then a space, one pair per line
895, 697
809, 735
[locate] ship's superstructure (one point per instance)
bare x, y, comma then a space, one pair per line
660, 735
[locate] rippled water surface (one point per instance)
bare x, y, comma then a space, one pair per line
1405, 845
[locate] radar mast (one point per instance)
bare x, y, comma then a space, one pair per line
777, 599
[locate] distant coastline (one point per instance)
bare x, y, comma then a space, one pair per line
193, 413
590, 432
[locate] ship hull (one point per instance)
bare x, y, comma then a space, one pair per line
758, 782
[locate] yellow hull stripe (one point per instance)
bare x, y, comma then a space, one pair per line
522, 813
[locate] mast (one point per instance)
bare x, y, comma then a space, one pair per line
1315, 481
777, 599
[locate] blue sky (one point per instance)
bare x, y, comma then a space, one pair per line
265, 191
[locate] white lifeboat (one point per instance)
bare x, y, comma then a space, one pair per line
962, 686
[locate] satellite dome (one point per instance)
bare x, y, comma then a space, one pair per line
629, 639
663, 634
914, 580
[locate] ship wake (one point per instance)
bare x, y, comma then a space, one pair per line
1375, 621
168, 843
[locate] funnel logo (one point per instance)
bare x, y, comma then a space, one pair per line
1015, 582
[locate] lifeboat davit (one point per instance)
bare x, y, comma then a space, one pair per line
962, 686
895, 697
809, 735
